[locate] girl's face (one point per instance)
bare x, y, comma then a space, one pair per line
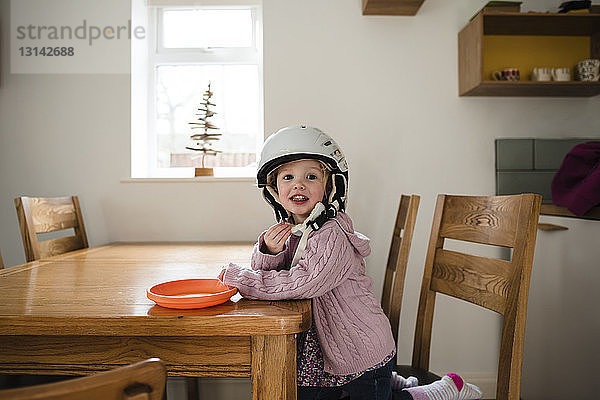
301, 185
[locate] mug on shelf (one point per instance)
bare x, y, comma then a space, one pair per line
561, 74
541, 74
587, 70
507, 74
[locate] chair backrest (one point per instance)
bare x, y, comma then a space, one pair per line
395, 272
139, 381
43, 215
498, 285
1, 261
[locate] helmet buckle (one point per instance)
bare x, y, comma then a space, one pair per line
331, 212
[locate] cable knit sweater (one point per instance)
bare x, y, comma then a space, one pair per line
353, 331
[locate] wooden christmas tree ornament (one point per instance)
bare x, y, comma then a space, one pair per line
204, 139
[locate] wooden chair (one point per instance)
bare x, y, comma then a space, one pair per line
144, 380
1, 261
395, 272
498, 285
42, 215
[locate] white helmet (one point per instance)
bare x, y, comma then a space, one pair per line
300, 143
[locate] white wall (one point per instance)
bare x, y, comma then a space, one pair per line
384, 87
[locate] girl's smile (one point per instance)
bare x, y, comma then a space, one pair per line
300, 185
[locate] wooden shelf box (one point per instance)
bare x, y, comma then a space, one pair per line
494, 41
391, 7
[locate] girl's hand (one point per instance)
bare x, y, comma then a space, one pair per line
220, 277
222, 274
276, 236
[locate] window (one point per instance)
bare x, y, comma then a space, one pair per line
186, 48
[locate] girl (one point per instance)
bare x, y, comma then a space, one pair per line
314, 252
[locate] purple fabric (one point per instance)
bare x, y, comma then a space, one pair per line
354, 333
576, 184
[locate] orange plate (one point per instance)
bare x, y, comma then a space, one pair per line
190, 293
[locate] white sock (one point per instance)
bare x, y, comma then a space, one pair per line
399, 382
450, 387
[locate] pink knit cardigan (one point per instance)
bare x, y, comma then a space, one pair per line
353, 331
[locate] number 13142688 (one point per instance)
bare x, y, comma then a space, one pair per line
47, 51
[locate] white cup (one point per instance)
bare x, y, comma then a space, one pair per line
507, 74
587, 70
561, 74
541, 74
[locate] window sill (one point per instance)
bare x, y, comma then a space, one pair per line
199, 179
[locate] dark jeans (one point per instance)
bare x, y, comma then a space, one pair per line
372, 385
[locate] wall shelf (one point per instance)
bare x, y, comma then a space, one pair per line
391, 7
530, 88
493, 41
533, 23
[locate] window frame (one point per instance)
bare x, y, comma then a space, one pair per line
158, 55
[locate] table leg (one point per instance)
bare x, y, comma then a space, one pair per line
193, 390
273, 367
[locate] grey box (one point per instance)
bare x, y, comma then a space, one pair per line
549, 153
525, 182
514, 154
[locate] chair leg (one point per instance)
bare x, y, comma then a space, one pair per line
192, 388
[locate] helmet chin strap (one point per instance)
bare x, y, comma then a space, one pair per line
337, 197
271, 196
316, 219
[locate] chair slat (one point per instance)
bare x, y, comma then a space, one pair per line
62, 245
471, 293
481, 273
479, 219
52, 214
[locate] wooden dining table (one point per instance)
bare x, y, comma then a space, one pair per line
87, 311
